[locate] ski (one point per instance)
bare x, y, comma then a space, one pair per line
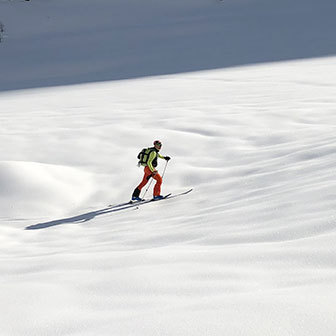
168, 196
130, 204
160, 199
180, 194
144, 201
112, 206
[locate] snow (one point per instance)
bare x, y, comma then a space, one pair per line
250, 251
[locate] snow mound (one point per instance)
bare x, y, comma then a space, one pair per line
29, 188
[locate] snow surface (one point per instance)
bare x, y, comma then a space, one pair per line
251, 251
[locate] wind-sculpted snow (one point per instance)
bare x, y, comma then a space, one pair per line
29, 189
61, 42
250, 251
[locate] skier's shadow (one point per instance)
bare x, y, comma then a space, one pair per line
80, 218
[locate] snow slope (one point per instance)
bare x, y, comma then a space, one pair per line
251, 251
58, 42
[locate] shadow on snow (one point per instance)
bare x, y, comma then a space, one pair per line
114, 208
130, 38
80, 218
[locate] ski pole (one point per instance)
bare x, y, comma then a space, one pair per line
164, 171
147, 188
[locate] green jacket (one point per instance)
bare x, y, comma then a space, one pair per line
152, 160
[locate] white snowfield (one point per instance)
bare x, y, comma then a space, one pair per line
250, 251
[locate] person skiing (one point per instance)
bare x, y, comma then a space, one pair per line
148, 159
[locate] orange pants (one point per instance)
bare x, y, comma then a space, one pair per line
146, 178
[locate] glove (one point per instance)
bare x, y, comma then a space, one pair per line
167, 158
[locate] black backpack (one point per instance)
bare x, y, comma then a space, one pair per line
143, 156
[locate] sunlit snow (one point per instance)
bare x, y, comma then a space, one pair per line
250, 251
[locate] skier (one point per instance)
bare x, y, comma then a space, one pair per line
149, 161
